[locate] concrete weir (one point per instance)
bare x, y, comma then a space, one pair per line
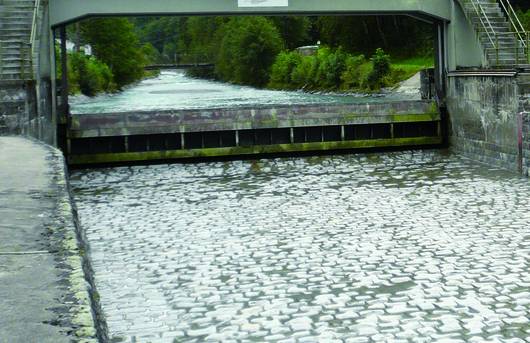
135, 136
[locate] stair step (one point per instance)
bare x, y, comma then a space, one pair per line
14, 25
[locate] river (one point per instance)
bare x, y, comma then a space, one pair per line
174, 90
417, 246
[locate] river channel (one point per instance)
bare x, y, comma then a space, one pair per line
410, 246
174, 90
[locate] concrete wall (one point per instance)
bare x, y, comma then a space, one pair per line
463, 48
524, 107
484, 118
22, 114
17, 100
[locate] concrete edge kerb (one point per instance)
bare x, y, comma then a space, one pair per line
85, 315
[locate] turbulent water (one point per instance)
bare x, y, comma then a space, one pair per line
173, 90
393, 247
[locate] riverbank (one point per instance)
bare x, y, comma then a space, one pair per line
45, 295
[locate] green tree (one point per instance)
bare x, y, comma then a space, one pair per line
248, 50
115, 43
295, 31
204, 36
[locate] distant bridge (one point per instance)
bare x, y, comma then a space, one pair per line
178, 66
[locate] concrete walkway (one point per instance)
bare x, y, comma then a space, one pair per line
43, 294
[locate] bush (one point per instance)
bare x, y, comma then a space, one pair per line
248, 50
303, 75
282, 70
89, 75
352, 76
331, 65
380, 69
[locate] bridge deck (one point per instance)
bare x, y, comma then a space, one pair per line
133, 136
64, 11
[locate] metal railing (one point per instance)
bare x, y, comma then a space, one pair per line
517, 34
483, 18
33, 34
515, 22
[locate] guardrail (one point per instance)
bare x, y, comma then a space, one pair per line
521, 50
515, 22
485, 23
33, 34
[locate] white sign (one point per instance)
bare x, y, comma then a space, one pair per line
262, 3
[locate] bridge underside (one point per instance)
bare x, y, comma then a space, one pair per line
456, 41
65, 11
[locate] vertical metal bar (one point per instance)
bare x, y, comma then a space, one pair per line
21, 49
520, 142
528, 46
64, 75
516, 51
53, 85
497, 47
30, 55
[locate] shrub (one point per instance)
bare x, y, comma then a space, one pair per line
331, 65
352, 76
89, 75
380, 69
303, 75
282, 69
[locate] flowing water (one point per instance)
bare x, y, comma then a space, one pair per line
394, 247
174, 90
420, 246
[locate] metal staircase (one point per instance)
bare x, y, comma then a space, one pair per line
18, 23
505, 41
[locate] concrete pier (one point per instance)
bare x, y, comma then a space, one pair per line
44, 296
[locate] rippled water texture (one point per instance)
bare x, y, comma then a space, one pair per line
393, 247
173, 90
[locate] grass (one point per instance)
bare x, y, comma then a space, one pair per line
408, 67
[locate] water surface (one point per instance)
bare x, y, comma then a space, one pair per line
417, 246
174, 90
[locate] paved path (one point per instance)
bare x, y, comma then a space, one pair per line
40, 267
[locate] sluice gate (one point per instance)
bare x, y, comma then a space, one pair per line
199, 133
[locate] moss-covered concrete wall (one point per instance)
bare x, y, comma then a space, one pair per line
484, 115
